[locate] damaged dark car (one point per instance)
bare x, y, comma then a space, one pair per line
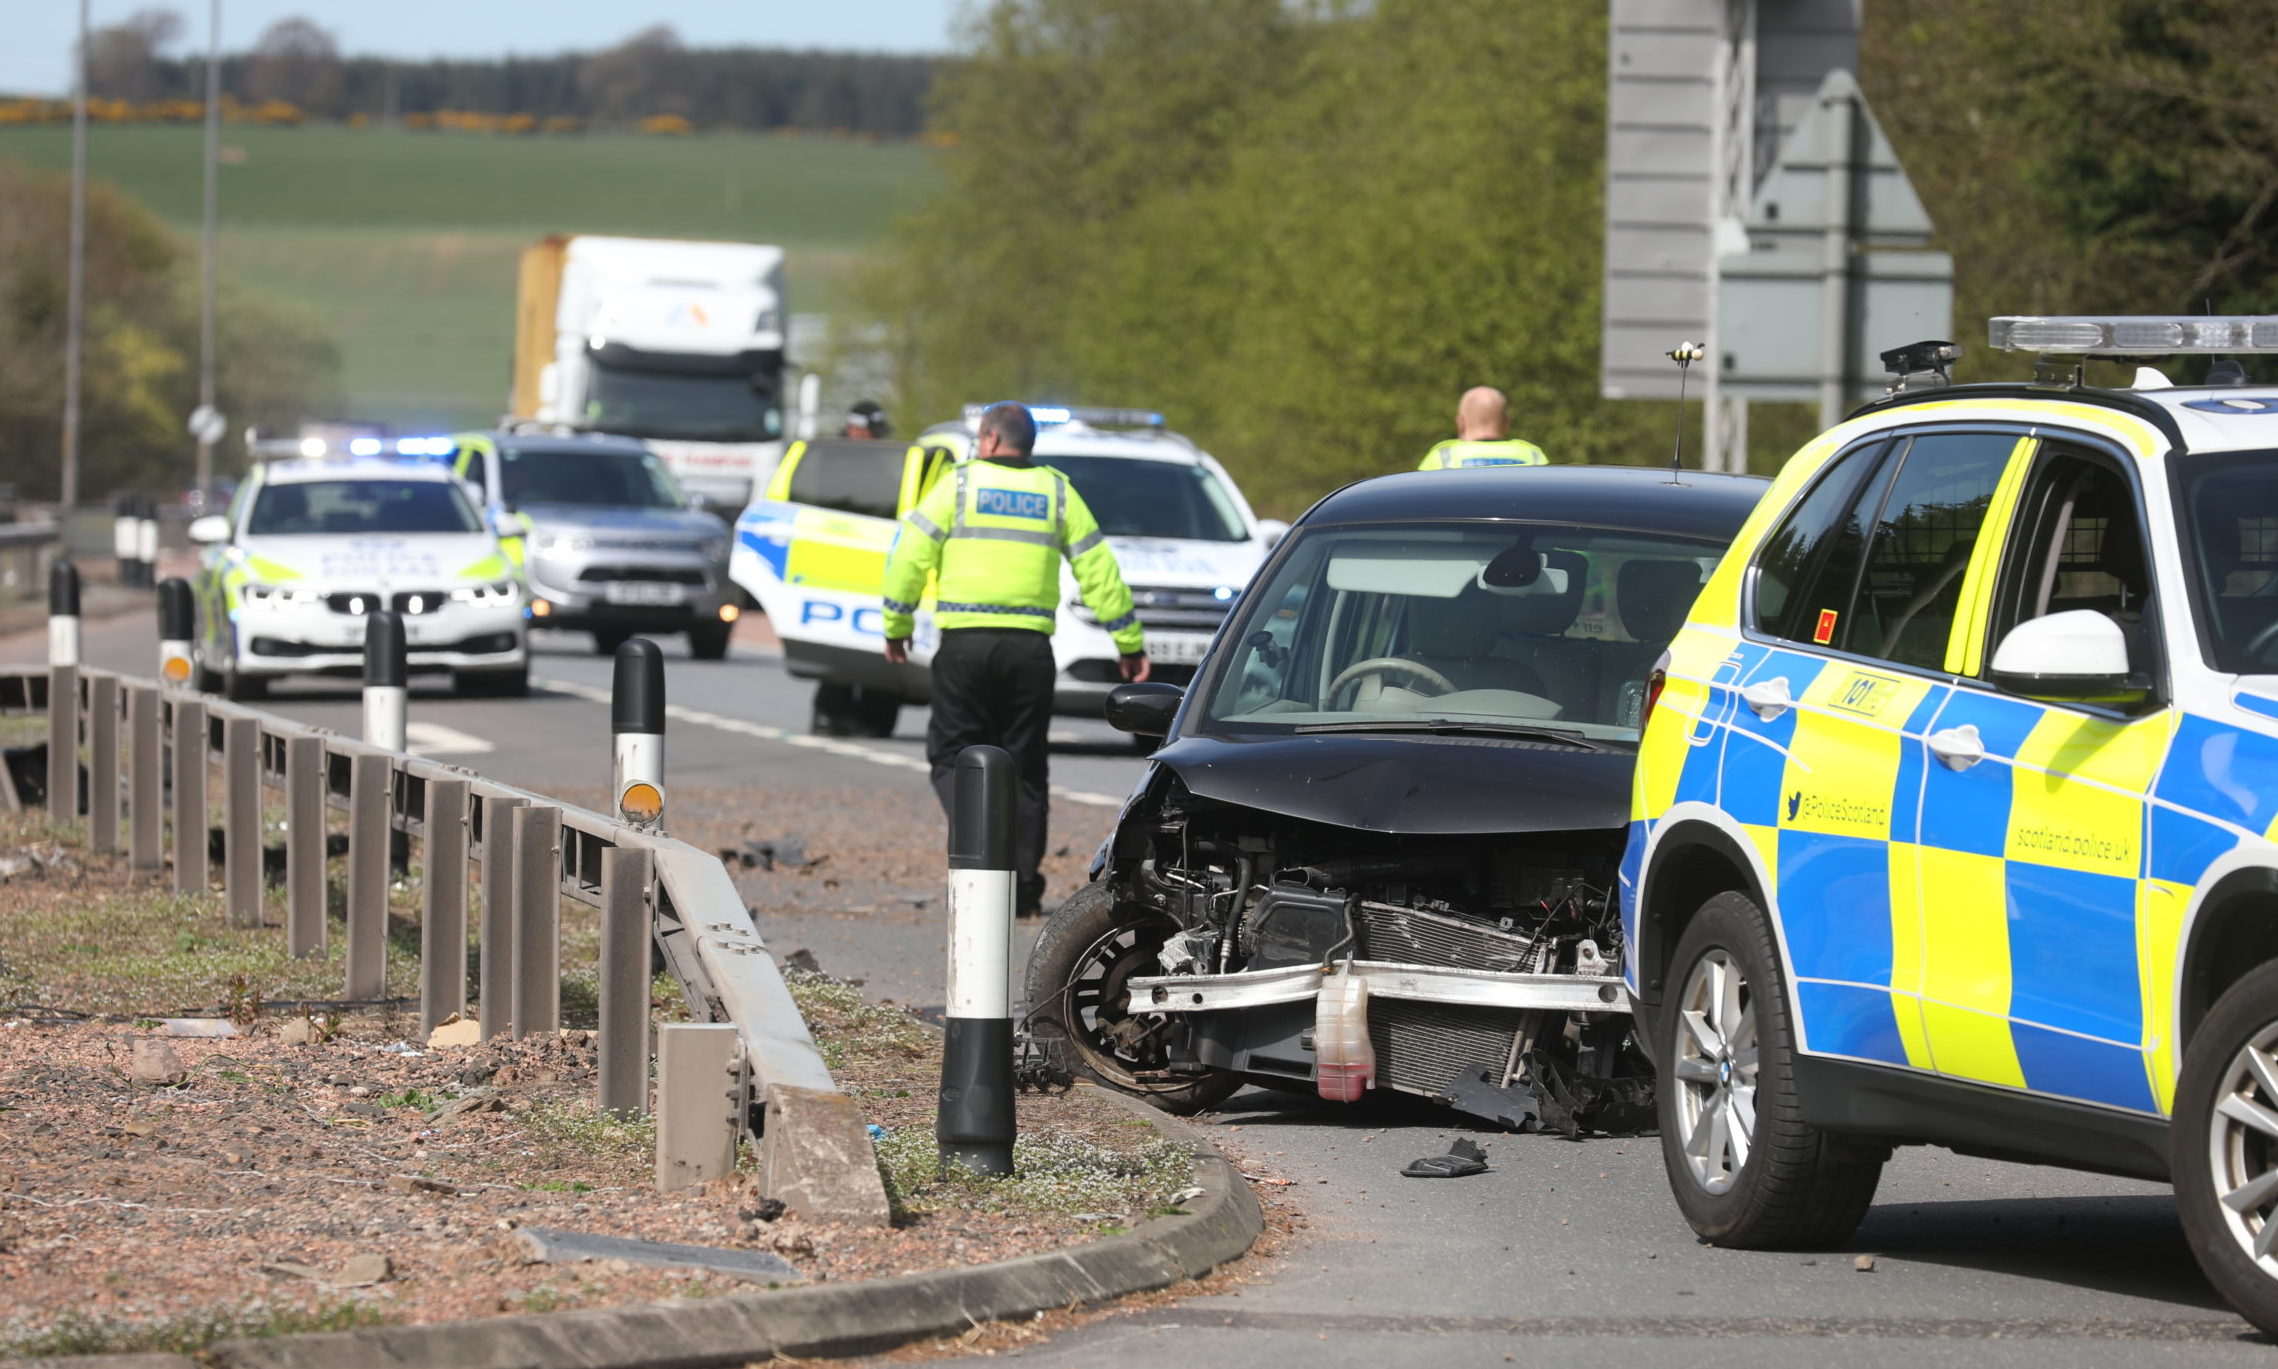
1378, 846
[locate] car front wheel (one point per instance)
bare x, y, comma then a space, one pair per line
1745, 1168
2224, 1146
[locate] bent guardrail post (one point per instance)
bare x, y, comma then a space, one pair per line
304, 847
146, 838
369, 789
537, 920
241, 819
623, 1086
495, 998
177, 624
103, 763
443, 906
636, 727
193, 864
973, 1123
386, 680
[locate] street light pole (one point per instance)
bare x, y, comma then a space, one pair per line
205, 471
76, 290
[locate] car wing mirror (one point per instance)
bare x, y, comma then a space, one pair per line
2076, 656
209, 529
1146, 709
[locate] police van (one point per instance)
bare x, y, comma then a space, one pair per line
1954, 820
812, 551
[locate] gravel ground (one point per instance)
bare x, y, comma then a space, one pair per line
263, 1188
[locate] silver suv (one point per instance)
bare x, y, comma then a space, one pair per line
607, 542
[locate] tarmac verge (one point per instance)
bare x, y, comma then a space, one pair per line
818, 1320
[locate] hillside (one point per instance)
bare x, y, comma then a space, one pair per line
405, 243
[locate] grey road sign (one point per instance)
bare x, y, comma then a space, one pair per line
1699, 95
1837, 266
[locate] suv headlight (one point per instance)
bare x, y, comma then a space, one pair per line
557, 542
496, 592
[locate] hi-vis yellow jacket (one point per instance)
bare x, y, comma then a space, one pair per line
992, 534
1455, 453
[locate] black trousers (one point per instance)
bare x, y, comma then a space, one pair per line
993, 687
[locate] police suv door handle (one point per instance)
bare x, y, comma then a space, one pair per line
1957, 748
1769, 698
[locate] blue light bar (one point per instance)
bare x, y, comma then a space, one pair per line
1049, 415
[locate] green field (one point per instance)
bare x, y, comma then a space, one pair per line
405, 243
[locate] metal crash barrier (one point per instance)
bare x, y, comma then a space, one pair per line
118, 741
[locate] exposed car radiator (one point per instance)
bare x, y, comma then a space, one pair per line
1421, 1047
1410, 936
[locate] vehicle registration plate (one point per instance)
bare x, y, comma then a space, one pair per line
1182, 649
643, 592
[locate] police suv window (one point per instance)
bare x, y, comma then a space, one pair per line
851, 477
1794, 559
1923, 536
2079, 545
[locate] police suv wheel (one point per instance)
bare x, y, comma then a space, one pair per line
2223, 1146
1076, 1003
1744, 1167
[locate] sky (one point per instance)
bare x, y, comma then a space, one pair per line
36, 35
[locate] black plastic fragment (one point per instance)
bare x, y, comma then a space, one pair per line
1462, 1158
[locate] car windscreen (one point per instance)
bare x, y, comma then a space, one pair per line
359, 507
1135, 497
696, 408
1468, 625
556, 475
2230, 513
850, 476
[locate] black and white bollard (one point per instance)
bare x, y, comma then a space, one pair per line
126, 536
636, 726
63, 614
974, 1122
146, 542
386, 680
177, 624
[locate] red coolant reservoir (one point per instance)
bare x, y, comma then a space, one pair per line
1346, 1062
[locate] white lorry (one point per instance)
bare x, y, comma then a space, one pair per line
679, 343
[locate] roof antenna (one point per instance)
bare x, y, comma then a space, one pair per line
1684, 354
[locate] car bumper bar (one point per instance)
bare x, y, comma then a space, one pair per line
1417, 983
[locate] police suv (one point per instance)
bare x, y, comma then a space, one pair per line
813, 549
315, 540
1954, 820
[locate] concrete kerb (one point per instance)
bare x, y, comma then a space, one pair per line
818, 1320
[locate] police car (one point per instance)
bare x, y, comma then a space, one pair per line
1954, 821
812, 551
313, 541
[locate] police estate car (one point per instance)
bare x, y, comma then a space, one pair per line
813, 549
1954, 821
311, 544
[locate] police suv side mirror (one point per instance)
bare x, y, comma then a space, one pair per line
2080, 656
1146, 709
210, 529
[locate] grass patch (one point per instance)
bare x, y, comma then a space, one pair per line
74, 1334
22, 729
846, 1025
576, 1125
1053, 1174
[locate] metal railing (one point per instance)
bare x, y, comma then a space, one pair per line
533, 851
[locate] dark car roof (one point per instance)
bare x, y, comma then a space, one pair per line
570, 442
1697, 504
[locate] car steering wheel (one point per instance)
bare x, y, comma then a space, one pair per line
2261, 641
1380, 665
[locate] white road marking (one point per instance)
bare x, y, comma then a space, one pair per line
834, 745
434, 739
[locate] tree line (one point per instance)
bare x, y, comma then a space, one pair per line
1302, 227
650, 75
